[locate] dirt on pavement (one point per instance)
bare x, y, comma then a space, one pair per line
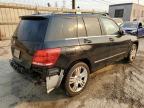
116, 86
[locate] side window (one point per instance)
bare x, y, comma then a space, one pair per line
69, 27
61, 27
92, 26
81, 28
109, 26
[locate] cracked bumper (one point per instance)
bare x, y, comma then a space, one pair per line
53, 76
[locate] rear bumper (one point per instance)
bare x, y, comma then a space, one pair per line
41, 70
53, 76
16, 66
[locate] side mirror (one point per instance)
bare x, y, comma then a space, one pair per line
140, 27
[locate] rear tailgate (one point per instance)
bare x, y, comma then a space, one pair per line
23, 51
28, 38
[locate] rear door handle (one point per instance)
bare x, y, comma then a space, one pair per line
87, 41
111, 39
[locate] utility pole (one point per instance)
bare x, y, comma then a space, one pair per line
56, 4
48, 4
138, 10
64, 3
73, 4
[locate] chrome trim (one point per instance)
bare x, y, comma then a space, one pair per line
90, 37
109, 57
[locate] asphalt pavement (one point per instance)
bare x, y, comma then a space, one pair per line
119, 85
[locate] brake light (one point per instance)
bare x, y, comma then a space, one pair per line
46, 57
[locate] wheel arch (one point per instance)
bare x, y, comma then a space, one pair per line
84, 60
137, 43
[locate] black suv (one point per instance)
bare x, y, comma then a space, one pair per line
66, 48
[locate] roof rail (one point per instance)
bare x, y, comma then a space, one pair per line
80, 12
84, 12
101, 13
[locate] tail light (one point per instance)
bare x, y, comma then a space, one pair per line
46, 57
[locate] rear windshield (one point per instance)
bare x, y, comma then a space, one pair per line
32, 30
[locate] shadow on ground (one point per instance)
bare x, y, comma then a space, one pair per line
119, 85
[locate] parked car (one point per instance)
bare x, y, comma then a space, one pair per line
134, 28
66, 48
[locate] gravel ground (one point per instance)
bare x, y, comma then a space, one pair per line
116, 86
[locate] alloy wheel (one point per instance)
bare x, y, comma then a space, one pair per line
78, 79
133, 52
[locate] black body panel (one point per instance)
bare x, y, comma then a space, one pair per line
95, 50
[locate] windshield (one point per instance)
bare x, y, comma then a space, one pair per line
32, 30
129, 25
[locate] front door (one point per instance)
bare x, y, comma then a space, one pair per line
119, 46
92, 41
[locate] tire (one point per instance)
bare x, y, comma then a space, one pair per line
76, 79
132, 54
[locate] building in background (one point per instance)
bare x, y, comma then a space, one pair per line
127, 11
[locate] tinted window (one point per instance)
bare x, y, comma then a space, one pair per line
92, 26
61, 28
81, 27
32, 30
110, 26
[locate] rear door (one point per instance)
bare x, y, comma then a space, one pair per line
62, 33
119, 45
92, 41
28, 37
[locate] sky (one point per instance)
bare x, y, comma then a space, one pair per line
98, 5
